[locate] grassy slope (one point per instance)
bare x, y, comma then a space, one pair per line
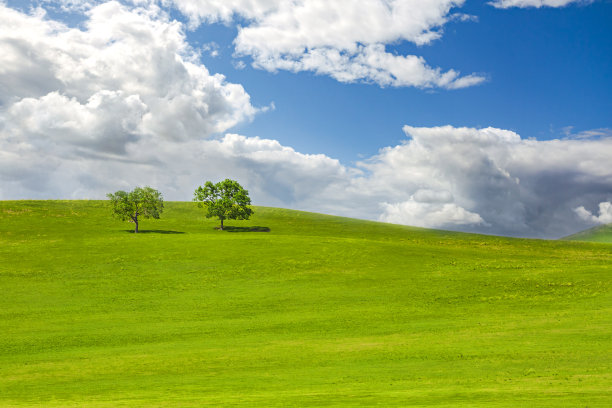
320, 311
601, 233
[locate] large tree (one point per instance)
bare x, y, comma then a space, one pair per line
226, 200
144, 202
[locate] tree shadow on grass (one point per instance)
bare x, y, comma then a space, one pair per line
246, 229
155, 232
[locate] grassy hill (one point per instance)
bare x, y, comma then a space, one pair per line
294, 309
601, 233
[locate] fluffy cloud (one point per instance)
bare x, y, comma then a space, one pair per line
504, 4
479, 180
337, 38
426, 214
71, 99
604, 217
129, 73
492, 180
275, 174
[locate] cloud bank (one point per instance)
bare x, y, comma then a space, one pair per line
492, 180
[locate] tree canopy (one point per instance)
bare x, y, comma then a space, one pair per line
144, 202
227, 200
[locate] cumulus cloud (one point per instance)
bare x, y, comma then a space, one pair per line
429, 208
504, 4
604, 217
71, 98
419, 214
479, 180
338, 39
275, 174
505, 184
135, 61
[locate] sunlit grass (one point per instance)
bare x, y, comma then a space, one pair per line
293, 309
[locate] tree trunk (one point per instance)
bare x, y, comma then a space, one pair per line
221, 224
136, 223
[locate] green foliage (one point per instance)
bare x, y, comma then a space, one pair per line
226, 200
320, 311
144, 202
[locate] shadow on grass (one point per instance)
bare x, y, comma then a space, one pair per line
155, 232
245, 229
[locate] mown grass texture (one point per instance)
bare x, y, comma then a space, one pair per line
293, 309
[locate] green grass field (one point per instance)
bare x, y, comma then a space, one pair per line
294, 309
601, 233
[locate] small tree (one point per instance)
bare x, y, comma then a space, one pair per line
141, 202
226, 200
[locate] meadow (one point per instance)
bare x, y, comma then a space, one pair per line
601, 233
294, 309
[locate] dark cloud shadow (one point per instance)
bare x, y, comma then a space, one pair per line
246, 229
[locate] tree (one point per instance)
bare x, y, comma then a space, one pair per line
226, 200
141, 202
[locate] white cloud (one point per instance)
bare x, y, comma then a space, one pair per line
338, 38
429, 208
78, 104
367, 64
106, 123
604, 217
275, 174
129, 75
504, 4
480, 180
420, 214
516, 186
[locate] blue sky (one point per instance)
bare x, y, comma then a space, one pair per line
547, 69
311, 108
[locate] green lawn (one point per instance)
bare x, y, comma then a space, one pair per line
318, 311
